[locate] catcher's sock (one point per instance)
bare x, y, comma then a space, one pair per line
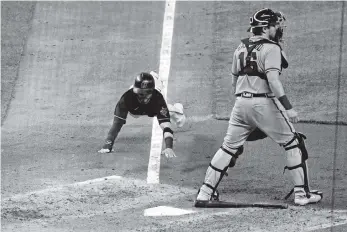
204, 193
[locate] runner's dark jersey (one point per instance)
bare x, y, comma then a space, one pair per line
155, 107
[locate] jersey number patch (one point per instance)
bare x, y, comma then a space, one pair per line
248, 64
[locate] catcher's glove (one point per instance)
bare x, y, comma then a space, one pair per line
168, 152
256, 135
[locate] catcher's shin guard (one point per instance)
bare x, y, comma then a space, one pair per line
296, 164
222, 160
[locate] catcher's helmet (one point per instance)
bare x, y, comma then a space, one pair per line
263, 18
267, 17
143, 87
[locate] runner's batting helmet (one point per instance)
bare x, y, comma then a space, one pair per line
143, 87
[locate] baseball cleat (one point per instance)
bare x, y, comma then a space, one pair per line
301, 198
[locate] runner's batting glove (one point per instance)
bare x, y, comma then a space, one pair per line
107, 148
169, 153
103, 150
293, 115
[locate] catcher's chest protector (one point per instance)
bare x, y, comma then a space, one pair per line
250, 67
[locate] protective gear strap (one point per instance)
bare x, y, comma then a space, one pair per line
301, 144
284, 60
285, 145
305, 185
228, 152
215, 193
304, 167
222, 173
209, 186
214, 168
234, 157
292, 191
247, 69
217, 169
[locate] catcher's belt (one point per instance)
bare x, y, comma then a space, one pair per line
250, 95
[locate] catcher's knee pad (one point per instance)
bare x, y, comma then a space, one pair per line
234, 153
222, 160
296, 161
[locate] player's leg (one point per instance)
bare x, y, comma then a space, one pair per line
176, 110
270, 117
177, 114
297, 156
227, 154
220, 163
159, 84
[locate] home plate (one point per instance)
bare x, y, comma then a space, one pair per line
166, 211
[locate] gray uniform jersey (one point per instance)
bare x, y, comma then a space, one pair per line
266, 57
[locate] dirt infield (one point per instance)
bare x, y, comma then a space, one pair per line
16, 19
79, 57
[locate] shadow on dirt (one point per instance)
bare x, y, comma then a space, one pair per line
21, 214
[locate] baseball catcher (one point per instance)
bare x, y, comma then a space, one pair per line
261, 110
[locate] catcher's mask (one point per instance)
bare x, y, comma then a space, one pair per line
143, 87
281, 22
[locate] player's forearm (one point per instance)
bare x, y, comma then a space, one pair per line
277, 88
113, 132
169, 142
167, 133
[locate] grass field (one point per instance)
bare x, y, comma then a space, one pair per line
65, 65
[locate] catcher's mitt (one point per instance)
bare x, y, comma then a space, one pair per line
256, 135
